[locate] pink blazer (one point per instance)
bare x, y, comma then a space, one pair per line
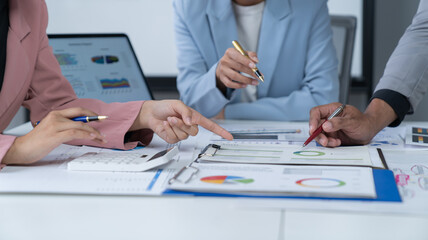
33, 79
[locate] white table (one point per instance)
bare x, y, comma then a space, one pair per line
41, 216
113, 217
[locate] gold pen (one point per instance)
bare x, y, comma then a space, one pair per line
241, 50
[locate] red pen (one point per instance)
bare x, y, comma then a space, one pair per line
319, 129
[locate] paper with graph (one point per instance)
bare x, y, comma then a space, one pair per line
286, 154
264, 132
256, 179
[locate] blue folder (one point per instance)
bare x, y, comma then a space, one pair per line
386, 190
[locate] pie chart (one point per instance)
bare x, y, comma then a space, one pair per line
108, 59
309, 153
320, 183
227, 180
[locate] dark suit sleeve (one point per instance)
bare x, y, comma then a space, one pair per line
406, 77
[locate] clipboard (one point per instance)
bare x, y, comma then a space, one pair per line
210, 151
385, 186
386, 191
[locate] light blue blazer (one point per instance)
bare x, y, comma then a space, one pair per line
295, 51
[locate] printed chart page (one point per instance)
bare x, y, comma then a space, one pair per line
410, 167
264, 132
289, 154
319, 181
416, 135
389, 138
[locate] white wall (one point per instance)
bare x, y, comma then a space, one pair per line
149, 23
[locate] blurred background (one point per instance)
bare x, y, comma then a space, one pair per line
149, 25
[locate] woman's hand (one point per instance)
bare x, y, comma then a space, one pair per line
173, 121
56, 128
230, 67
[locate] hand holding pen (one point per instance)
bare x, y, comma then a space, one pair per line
232, 64
353, 127
53, 130
320, 128
244, 53
84, 119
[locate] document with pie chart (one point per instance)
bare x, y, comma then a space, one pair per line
280, 180
288, 154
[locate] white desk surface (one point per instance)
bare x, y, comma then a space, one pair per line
42, 216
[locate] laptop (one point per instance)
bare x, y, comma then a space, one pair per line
101, 66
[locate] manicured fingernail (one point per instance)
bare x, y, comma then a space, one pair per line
173, 120
255, 82
252, 65
188, 121
327, 126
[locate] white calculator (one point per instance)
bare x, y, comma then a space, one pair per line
121, 161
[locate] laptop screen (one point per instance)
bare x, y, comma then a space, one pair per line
101, 66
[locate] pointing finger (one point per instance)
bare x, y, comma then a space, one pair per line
210, 125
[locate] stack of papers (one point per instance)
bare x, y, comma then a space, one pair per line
247, 179
262, 161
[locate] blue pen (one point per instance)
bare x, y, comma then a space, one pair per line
85, 119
